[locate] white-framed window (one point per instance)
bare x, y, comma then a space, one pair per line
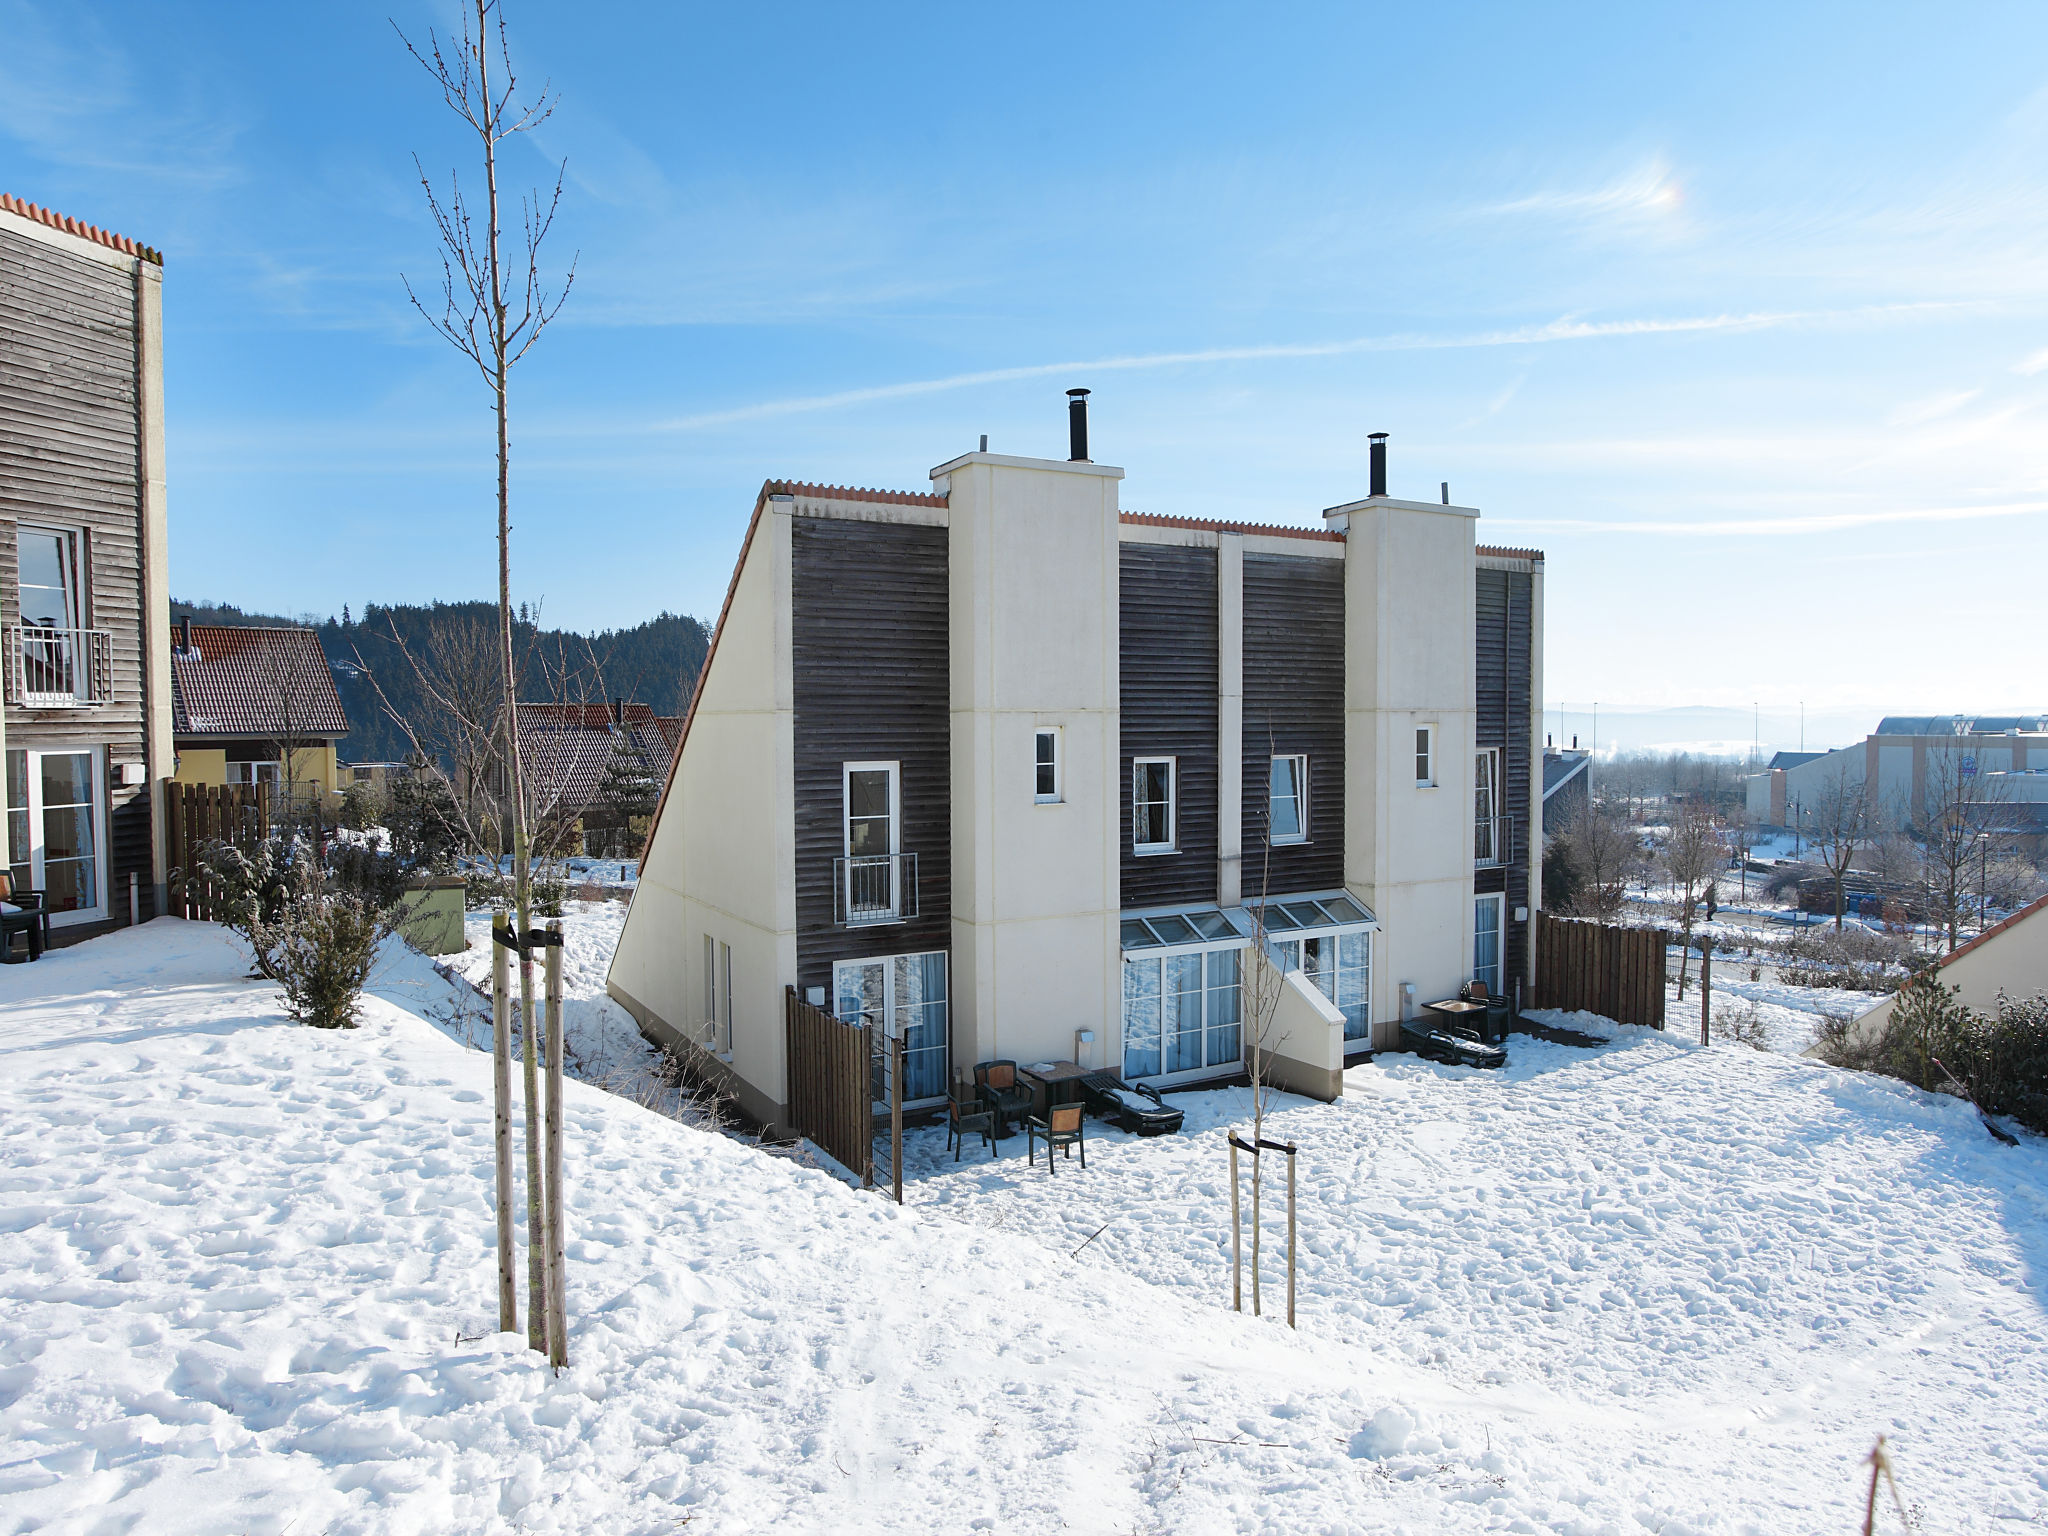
56, 835
1152, 805
1486, 841
718, 995
1182, 1011
1340, 966
871, 873
254, 773
1045, 782
1287, 799
48, 585
1425, 757
903, 996
1487, 912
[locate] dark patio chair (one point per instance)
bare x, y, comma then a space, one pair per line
964, 1116
1061, 1128
996, 1085
1138, 1110
23, 912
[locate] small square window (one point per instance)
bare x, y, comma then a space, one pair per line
1425, 757
1046, 783
1287, 800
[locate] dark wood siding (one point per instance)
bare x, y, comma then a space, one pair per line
1294, 702
1502, 657
1167, 662
70, 457
869, 660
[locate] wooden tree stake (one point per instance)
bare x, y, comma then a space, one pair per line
558, 1310
501, 1092
1236, 1249
537, 1287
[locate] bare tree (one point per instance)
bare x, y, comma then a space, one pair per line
1959, 825
1604, 851
1839, 824
1739, 832
493, 317
289, 688
1692, 852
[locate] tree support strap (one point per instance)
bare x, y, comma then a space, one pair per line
535, 938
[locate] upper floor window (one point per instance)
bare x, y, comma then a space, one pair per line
1425, 756
871, 809
1046, 770
1152, 790
717, 994
1486, 830
47, 585
1287, 800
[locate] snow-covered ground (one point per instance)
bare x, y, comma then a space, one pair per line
244, 1268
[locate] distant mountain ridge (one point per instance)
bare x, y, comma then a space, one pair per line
655, 663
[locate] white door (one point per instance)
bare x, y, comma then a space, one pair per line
56, 840
903, 997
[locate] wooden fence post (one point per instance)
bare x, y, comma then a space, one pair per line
501, 1085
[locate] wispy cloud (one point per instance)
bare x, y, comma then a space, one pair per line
1915, 413
1564, 329
1648, 192
1777, 527
2032, 363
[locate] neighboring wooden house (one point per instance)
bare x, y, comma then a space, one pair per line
1567, 785
256, 706
1006, 771
575, 755
84, 593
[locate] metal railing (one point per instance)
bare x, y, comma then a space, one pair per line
1493, 841
58, 668
874, 888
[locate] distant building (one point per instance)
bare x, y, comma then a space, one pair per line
570, 752
1567, 785
256, 706
85, 732
1894, 763
2009, 957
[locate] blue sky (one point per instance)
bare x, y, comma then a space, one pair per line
1742, 315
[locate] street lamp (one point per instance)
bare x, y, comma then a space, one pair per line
1983, 857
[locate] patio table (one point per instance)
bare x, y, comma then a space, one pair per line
1059, 1082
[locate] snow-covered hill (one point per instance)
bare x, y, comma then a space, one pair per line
244, 1265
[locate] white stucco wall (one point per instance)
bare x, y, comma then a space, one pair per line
2012, 958
1409, 635
1034, 602
722, 857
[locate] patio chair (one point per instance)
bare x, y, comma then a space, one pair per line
1061, 1128
23, 912
1138, 1110
996, 1085
963, 1116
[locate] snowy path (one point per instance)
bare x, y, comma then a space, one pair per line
1643, 1289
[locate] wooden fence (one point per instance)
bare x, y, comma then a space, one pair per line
830, 1077
1615, 972
201, 813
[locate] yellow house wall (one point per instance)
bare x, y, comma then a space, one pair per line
310, 765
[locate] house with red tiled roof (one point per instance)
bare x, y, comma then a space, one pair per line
1009, 772
84, 590
585, 763
255, 706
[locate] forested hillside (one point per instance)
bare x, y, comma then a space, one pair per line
653, 663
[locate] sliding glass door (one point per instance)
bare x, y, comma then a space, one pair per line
901, 995
55, 839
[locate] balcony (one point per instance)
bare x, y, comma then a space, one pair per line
874, 888
1493, 841
58, 668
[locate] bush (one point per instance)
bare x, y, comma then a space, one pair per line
361, 808
367, 872
425, 823
485, 888
1852, 958
319, 949
1935, 1041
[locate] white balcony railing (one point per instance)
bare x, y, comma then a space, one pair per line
874, 888
58, 668
1493, 841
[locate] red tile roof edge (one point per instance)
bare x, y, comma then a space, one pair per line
84, 231
1207, 525
849, 493
1994, 931
1497, 552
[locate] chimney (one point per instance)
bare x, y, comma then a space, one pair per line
1379, 464
618, 711
185, 635
984, 442
1077, 426
1447, 492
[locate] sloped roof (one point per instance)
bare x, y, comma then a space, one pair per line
567, 749
1793, 759
253, 682
1560, 768
2031, 909
22, 208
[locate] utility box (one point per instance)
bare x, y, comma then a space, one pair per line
430, 914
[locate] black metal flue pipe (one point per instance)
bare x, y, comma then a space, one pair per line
1077, 426
1379, 464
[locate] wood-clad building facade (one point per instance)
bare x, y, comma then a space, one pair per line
1010, 773
84, 598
